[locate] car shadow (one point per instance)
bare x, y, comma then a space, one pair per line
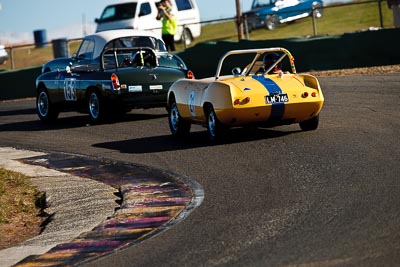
69, 122
165, 143
27, 111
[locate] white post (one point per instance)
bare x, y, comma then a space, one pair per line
396, 16
394, 5
239, 20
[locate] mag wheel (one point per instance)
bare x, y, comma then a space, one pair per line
317, 10
178, 126
271, 22
45, 110
215, 129
95, 107
310, 125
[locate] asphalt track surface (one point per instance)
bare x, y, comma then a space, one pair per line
272, 197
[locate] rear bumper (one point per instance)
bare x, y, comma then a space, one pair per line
288, 113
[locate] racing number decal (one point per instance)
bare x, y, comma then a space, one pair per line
70, 89
191, 103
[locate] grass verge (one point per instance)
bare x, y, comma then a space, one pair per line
21, 208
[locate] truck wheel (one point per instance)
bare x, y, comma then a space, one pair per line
186, 37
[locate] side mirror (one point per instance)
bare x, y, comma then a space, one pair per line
80, 57
73, 56
96, 20
236, 71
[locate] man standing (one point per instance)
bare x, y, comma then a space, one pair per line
169, 23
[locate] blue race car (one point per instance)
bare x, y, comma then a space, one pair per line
269, 13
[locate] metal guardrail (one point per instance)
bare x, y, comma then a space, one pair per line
314, 11
11, 49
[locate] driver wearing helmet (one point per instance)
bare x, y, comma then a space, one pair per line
270, 59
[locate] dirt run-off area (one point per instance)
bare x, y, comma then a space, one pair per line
358, 71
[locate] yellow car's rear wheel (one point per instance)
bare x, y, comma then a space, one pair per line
215, 128
310, 125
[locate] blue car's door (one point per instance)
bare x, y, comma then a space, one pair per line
289, 10
69, 90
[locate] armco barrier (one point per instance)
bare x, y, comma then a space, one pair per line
18, 83
362, 49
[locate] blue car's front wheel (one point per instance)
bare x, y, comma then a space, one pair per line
271, 22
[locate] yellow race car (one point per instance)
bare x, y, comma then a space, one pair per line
260, 93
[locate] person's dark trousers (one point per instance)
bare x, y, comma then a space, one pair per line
169, 41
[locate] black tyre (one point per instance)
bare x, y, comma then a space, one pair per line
318, 10
186, 37
216, 130
178, 126
46, 111
271, 22
251, 24
96, 107
310, 125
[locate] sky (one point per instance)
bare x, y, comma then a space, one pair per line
75, 18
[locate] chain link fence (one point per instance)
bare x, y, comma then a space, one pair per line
335, 19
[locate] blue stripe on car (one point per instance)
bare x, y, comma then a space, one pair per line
277, 109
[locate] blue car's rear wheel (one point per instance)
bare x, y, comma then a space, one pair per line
178, 126
317, 10
96, 107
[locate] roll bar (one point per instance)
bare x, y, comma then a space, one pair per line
258, 52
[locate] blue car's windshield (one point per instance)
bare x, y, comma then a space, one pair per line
118, 12
258, 3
